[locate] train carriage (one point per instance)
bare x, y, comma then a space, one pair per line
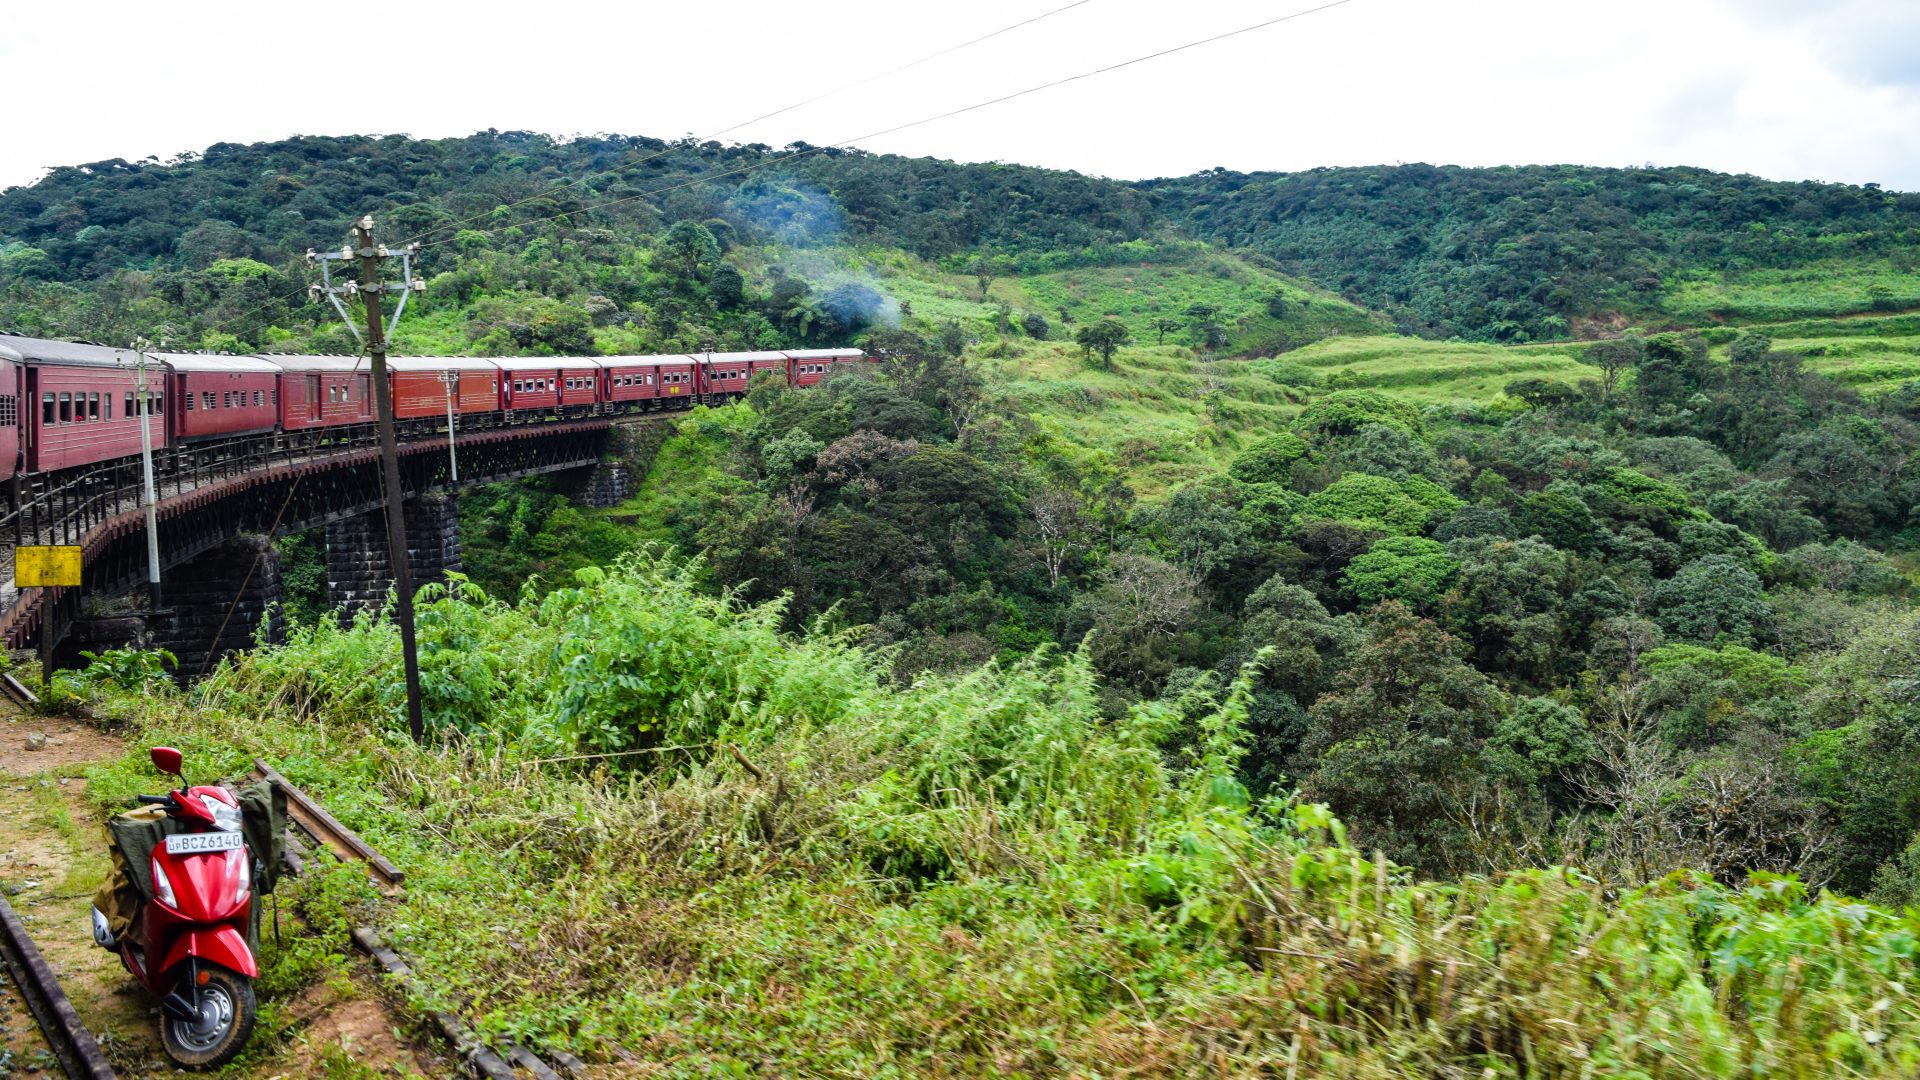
809, 366
644, 383
216, 396
323, 391
529, 384
11, 372
758, 362
80, 406
724, 376
421, 385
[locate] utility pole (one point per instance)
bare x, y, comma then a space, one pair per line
451, 378
370, 256
144, 403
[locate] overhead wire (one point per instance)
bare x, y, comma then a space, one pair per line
837, 90
848, 143
670, 149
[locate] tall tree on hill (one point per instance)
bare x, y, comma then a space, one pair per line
1102, 337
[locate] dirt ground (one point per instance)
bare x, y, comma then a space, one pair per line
53, 856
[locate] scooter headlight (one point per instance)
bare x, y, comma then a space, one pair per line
225, 818
162, 888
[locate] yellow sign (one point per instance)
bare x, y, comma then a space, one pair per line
673, 389
38, 567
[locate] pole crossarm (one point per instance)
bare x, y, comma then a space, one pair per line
370, 258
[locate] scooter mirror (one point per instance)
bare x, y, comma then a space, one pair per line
166, 759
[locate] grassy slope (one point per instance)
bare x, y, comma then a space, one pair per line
1151, 415
1435, 372
1872, 354
976, 875
1836, 287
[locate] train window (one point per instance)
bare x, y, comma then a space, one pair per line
273, 396
106, 406
47, 415
258, 398
93, 406
128, 402
9, 410
66, 408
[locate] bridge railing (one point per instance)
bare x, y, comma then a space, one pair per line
62, 507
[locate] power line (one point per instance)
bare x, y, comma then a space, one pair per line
841, 89
847, 143
781, 159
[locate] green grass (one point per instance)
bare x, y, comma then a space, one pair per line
1238, 290
1838, 287
1152, 417
1436, 372
1870, 354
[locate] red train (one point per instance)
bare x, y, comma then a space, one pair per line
67, 404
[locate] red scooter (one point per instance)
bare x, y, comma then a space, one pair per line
189, 944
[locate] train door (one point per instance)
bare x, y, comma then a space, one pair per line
313, 398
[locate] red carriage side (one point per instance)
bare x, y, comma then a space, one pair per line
80, 406
215, 396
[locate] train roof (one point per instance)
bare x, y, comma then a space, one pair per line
295, 362
543, 363
215, 362
737, 357
68, 353
442, 363
660, 360
825, 354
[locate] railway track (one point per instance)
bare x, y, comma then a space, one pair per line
79, 1053
324, 830
67, 1038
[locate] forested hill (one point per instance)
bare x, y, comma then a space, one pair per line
1505, 254
273, 200
1542, 251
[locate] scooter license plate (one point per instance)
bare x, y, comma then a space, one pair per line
194, 843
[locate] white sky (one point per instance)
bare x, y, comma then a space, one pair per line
1787, 89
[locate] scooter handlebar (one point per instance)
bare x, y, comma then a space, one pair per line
154, 800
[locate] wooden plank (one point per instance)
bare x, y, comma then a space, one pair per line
324, 828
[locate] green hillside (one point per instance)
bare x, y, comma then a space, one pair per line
1230, 628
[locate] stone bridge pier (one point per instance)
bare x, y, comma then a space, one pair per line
217, 602
359, 570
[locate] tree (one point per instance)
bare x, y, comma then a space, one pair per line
1614, 357
1394, 745
1059, 517
1036, 326
1163, 326
1269, 460
1411, 569
689, 248
727, 286
1102, 337
1542, 393
984, 269
1714, 599
1135, 615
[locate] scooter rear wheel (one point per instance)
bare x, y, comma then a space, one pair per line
224, 1025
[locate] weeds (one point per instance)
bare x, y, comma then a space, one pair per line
655, 829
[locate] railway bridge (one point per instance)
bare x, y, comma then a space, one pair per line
221, 505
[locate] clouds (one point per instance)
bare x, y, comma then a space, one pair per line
1783, 88
1875, 42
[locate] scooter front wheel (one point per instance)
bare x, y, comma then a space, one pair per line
222, 1026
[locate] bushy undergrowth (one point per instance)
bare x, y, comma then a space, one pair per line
657, 831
